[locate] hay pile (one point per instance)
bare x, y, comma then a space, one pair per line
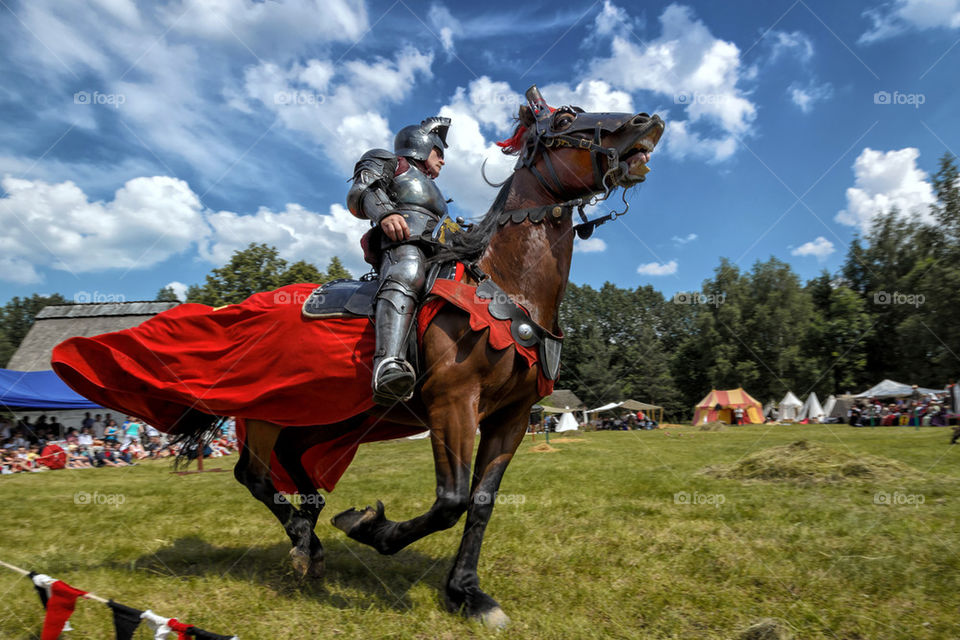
543, 447
713, 426
812, 463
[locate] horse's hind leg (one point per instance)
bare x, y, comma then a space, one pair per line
253, 471
307, 552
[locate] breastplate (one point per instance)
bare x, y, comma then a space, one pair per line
413, 187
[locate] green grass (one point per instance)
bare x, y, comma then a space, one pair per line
598, 548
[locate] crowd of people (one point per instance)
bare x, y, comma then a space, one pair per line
934, 410
27, 447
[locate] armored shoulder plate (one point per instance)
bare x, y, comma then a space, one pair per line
372, 173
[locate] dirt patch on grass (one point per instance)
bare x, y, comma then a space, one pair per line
567, 439
713, 426
813, 463
543, 447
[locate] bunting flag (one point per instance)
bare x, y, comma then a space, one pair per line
158, 624
60, 599
125, 620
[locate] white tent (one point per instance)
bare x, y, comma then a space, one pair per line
892, 389
812, 410
829, 405
790, 407
567, 422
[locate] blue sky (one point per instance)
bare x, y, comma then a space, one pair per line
143, 142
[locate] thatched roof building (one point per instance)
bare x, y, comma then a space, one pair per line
562, 399
56, 323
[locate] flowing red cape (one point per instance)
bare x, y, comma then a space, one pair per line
259, 359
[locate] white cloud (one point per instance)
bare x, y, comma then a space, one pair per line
148, 220
589, 95
690, 237
901, 15
590, 245
884, 181
820, 248
179, 289
461, 178
658, 268
806, 96
693, 69
339, 109
445, 26
794, 44
297, 233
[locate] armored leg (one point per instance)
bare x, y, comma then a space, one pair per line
402, 280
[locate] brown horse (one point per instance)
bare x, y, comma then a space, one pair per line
566, 155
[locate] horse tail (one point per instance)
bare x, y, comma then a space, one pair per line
194, 431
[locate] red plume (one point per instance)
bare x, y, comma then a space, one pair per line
514, 144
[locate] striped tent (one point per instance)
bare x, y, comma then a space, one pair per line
719, 405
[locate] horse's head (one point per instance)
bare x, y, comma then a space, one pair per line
573, 153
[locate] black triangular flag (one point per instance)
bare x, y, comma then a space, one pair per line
40, 590
125, 619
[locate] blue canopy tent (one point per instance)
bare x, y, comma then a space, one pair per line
39, 390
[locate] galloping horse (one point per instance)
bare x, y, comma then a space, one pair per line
524, 244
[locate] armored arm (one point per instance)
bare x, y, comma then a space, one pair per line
368, 197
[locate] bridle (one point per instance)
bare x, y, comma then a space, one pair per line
546, 137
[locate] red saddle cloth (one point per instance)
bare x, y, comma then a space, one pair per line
260, 359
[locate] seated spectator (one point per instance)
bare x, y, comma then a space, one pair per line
85, 438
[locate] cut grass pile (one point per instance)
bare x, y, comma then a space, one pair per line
811, 463
713, 426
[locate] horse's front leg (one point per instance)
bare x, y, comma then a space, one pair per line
499, 440
452, 436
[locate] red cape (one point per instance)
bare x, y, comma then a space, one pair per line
260, 359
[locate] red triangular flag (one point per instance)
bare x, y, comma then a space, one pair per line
63, 599
180, 628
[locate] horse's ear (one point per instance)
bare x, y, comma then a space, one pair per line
526, 116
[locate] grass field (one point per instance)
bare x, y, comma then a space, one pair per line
616, 535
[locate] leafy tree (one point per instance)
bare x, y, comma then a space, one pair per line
16, 318
302, 271
257, 268
166, 294
336, 270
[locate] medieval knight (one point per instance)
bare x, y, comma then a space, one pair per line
396, 192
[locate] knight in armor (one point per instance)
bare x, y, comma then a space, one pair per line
396, 192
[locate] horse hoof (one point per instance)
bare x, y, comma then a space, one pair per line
301, 562
350, 519
494, 619
317, 569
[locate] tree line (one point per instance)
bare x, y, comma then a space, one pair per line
889, 312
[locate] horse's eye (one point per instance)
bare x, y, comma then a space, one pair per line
563, 119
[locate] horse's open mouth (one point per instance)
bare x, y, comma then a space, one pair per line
633, 161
